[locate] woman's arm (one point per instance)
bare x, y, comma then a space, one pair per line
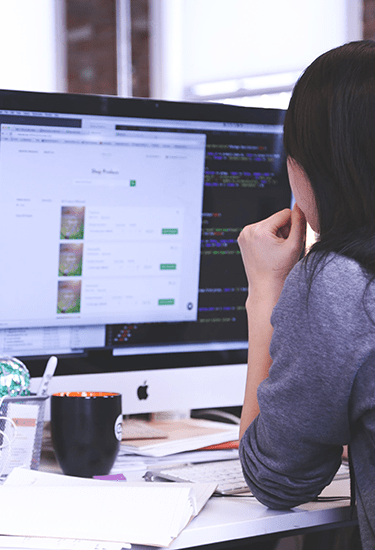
269, 251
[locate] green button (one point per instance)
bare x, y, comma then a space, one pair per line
132, 183
169, 231
166, 302
168, 266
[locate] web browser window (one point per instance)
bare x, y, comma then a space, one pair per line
99, 224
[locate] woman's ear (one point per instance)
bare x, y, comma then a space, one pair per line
303, 193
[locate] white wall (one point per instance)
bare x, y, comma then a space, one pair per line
32, 45
205, 41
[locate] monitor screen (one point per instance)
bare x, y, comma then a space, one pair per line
119, 230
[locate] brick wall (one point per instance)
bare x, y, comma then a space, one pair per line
91, 39
140, 47
91, 46
369, 19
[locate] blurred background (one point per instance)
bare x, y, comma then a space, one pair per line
244, 52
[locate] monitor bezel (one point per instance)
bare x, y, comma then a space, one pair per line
99, 360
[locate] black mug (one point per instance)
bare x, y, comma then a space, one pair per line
86, 431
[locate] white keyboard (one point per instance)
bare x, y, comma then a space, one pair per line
226, 473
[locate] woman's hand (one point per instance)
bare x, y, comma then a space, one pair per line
272, 247
269, 250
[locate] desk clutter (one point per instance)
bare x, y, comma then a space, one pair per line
226, 474
158, 511
163, 438
21, 418
88, 509
113, 511
159, 439
21, 432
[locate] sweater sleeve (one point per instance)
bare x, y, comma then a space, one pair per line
293, 448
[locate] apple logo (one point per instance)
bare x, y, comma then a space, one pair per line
142, 391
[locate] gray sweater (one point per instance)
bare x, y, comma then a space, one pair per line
320, 393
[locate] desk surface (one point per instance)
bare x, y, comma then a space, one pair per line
225, 519
235, 519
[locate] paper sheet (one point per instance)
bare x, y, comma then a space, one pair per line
183, 435
49, 505
34, 543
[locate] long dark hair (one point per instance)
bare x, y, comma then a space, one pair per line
330, 131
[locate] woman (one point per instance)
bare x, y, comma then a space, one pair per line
311, 367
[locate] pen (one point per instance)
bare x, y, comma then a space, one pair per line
47, 375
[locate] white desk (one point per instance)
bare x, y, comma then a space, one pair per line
240, 519
232, 521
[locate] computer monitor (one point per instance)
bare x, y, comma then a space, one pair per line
118, 238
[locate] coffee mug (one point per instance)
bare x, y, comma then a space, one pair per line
86, 431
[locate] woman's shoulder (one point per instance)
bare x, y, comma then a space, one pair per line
329, 305
331, 286
325, 283
329, 272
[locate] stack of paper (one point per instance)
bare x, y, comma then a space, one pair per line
182, 435
37, 504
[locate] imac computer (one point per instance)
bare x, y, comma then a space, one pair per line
118, 241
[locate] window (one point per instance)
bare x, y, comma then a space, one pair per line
243, 51
32, 45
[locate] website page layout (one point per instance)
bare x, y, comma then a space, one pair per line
98, 225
